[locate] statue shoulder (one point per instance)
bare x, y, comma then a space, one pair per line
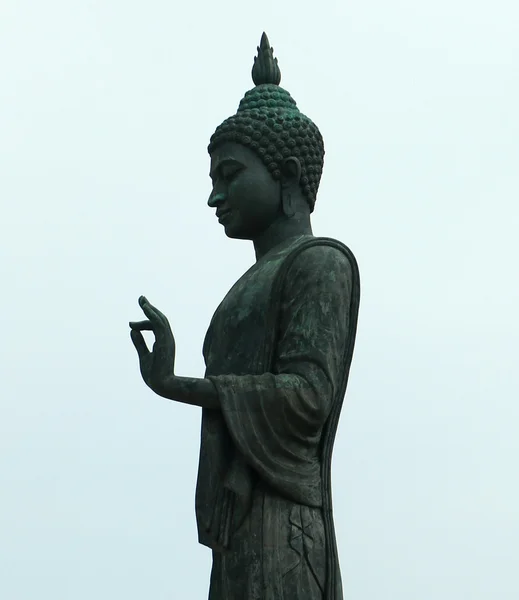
322, 257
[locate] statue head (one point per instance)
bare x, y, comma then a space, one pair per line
270, 132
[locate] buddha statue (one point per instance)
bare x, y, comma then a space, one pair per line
277, 352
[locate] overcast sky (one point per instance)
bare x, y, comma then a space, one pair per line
106, 109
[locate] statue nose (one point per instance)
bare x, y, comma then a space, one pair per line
215, 200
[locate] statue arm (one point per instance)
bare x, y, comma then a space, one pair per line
191, 390
312, 330
304, 372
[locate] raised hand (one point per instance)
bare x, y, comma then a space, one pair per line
158, 366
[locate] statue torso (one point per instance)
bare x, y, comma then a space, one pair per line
238, 327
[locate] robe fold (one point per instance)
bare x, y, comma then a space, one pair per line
278, 351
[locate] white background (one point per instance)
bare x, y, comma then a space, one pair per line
106, 109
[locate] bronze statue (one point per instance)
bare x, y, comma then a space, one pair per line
277, 352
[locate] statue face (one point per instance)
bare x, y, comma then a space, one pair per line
246, 197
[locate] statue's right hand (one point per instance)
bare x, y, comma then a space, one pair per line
157, 366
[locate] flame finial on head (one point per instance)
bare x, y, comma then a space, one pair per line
265, 68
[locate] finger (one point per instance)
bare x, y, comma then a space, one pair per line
139, 343
141, 325
153, 313
149, 310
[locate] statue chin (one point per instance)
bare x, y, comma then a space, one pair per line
238, 236
234, 231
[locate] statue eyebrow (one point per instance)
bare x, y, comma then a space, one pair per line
227, 160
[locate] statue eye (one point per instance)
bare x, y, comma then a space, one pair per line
230, 172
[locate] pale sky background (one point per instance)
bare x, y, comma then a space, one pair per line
106, 109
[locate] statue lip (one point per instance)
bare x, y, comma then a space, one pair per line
221, 214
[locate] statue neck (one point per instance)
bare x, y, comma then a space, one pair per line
281, 230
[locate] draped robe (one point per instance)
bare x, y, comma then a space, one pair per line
278, 351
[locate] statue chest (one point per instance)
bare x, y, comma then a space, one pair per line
237, 331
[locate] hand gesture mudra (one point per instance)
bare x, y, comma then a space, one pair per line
157, 366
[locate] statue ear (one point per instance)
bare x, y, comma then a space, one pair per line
291, 170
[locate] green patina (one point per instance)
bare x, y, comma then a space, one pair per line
277, 354
269, 122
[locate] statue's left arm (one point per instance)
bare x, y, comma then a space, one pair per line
275, 418
312, 335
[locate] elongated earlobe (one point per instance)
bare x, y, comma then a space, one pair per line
291, 176
288, 205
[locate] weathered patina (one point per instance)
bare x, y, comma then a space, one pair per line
277, 352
